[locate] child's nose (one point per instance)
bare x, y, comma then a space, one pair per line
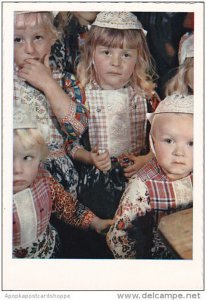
17, 167
179, 151
115, 60
29, 47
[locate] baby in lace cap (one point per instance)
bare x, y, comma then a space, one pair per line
161, 187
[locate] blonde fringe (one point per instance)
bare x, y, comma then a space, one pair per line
31, 137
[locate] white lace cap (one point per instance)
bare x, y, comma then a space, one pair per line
174, 103
186, 47
54, 13
118, 20
25, 118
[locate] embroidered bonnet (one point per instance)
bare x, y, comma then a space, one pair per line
174, 103
25, 118
118, 20
186, 47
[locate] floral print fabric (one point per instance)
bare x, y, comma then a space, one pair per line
149, 193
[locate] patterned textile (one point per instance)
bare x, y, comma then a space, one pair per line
117, 120
45, 246
74, 37
112, 113
100, 191
78, 116
57, 56
63, 170
148, 192
62, 133
46, 196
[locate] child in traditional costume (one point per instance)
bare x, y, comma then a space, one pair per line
39, 82
183, 80
115, 69
37, 194
161, 187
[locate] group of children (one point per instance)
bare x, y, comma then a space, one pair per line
85, 149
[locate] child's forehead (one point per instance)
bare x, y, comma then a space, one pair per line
166, 117
115, 38
32, 20
165, 121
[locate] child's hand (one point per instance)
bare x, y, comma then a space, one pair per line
100, 225
36, 73
138, 163
101, 161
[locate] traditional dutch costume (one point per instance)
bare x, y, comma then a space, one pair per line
149, 196
149, 192
117, 124
62, 132
33, 235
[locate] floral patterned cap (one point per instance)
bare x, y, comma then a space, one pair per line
186, 47
174, 103
118, 20
25, 118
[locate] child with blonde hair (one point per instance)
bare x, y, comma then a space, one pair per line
39, 82
116, 72
37, 194
183, 80
161, 187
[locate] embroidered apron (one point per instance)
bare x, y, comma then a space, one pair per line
33, 236
117, 123
117, 120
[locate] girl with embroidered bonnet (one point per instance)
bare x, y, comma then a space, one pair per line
116, 71
37, 194
162, 186
183, 80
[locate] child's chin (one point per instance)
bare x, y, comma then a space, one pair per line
19, 189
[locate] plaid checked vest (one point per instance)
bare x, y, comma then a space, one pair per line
117, 120
165, 196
